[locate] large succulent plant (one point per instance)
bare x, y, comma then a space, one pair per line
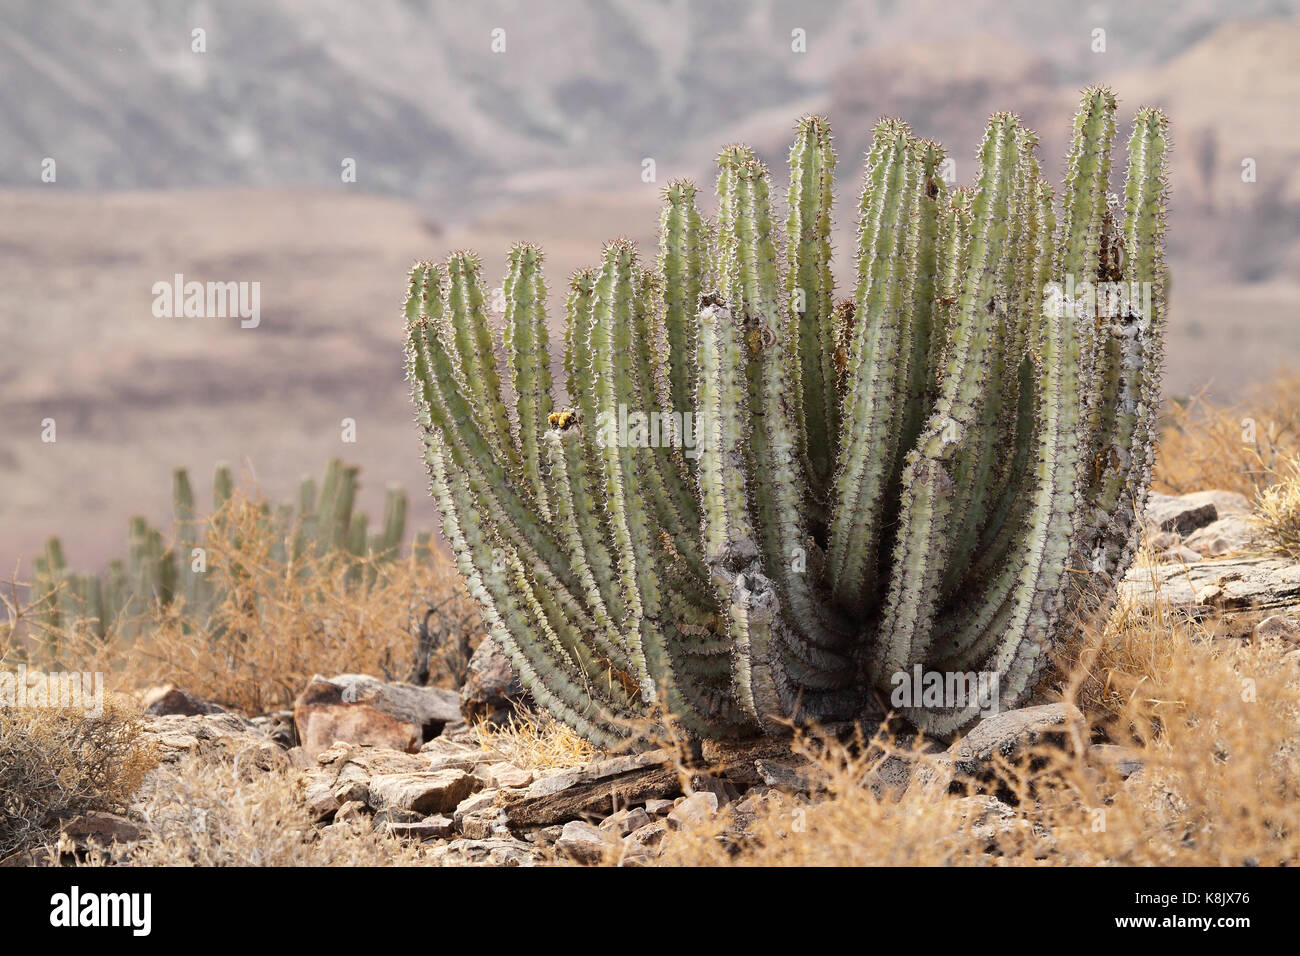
762, 504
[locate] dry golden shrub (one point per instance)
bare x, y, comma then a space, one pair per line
1277, 510
534, 742
213, 813
279, 619
1239, 447
58, 762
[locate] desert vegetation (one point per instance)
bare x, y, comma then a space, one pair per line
714, 727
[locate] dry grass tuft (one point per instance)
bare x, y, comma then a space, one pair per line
57, 763
209, 813
534, 742
1241, 447
1277, 510
280, 619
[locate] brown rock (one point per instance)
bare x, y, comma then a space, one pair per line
584, 843
1279, 626
1225, 536
434, 827
101, 829
504, 776
437, 791
1010, 736
362, 710
1178, 514
498, 851
478, 803
693, 810
170, 701
352, 811
625, 821
650, 835
492, 690
1253, 583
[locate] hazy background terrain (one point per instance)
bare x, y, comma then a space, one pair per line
225, 166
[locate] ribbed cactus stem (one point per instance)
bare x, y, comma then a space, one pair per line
810, 298
870, 457
476, 358
223, 485
943, 472
530, 362
683, 249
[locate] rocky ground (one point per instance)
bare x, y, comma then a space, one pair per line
422, 766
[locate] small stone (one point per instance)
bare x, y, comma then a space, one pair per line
434, 827
498, 851
1165, 540
492, 691
169, 700
788, 775
1279, 626
352, 810
659, 808
474, 804
584, 843
625, 821
693, 810
434, 792
890, 777
100, 828
1179, 513
506, 776
756, 802
361, 709
319, 796
1010, 734
548, 835
393, 815
720, 787
482, 824
353, 791
650, 835
1225, 536
1179, 555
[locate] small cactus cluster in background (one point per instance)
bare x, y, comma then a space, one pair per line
163, 572
941, 473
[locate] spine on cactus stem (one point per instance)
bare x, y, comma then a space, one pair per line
671, 497
759, 340
663, 656
922, 326
989, 455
